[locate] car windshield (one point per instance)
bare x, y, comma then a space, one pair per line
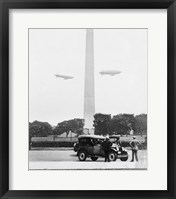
85, 141
113, 139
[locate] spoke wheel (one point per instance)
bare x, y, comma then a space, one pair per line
82, 155
124, 158
112, 156
94, 158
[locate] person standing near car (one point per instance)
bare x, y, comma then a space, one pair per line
134, 148
106, 144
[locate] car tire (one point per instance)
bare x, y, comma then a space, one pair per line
124, 158
112, 156
82, 155
94, 158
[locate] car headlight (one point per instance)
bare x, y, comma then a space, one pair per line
124, 149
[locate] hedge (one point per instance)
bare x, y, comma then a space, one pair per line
52, 144
141, 146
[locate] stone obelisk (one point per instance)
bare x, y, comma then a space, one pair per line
89, 91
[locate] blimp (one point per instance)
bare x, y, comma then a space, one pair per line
110, 72
66, 77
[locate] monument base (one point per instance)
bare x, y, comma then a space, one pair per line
88, 131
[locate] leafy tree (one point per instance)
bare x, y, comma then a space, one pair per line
101, 123
141, 124
79, 131
122, 123
39, 129
69, 125
118, 127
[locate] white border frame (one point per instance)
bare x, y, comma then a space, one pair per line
156, 22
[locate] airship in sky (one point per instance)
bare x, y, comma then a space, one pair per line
110, 72
66, 77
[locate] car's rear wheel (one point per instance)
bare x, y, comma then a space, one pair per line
124, 153
94, 158
112, 156
82, 155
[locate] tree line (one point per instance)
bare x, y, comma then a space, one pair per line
121, 124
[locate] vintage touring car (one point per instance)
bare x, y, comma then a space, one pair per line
89, 146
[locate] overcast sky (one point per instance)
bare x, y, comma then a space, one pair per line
62, 51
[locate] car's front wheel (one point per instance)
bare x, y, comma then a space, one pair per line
112, 156
125, 156
94, 158
82, 155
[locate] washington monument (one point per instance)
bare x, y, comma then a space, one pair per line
89, 91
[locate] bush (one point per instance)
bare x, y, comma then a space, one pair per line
52, 144
141, 146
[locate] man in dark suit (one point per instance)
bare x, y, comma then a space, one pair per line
106, 144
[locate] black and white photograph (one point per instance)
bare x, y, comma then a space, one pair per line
88, 98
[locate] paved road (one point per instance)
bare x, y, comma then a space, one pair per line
67, 159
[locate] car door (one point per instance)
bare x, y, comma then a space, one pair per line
89, 146
85, 144
96, 148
